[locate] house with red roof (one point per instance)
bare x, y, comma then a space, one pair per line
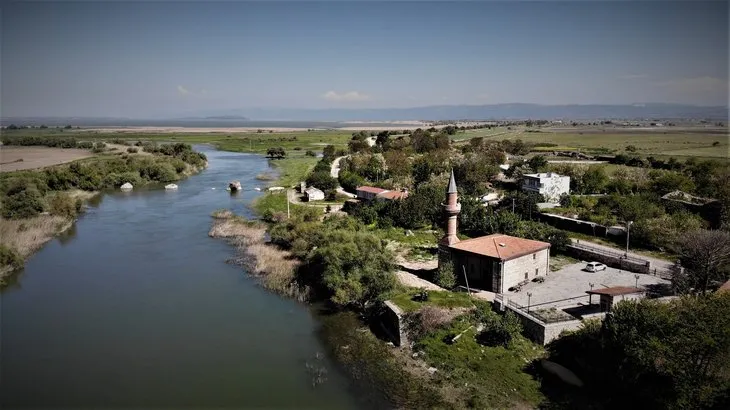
368, 193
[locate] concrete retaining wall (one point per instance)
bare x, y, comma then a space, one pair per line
393, 323
537, 330
613, 260
573, 225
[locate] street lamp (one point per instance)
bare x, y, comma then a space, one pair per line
637, 280
529, 295
628, 232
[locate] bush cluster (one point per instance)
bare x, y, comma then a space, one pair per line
345, 264
22, 193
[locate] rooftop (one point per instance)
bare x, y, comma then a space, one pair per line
615, 291
313, 190
393, 195
371, 189
499, 246
544, 175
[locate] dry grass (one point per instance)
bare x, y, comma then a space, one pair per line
273, 266
26, 236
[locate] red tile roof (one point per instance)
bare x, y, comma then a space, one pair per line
615, 291
371, 189
499, 246
393, 195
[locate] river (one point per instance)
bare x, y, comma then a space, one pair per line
136, 307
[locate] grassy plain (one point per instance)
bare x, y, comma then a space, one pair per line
680, 142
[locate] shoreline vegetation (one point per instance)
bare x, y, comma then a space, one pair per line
40, 204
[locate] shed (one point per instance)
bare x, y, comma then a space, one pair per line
610, 296
313, 194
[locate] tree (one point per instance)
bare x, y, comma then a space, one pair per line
594, 180
445, 276
705, 256
665, 182
538, 163
671, 355
328, 153
322, 180
350, 181
276, 152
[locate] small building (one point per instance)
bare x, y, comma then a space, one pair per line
549, 184
313, 194
499, 262
392, 195
615, 294
368, 193
494, 262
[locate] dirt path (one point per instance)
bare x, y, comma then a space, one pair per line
335, 172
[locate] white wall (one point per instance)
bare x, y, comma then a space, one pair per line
514, 270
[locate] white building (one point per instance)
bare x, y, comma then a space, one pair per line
549, 184
313, 194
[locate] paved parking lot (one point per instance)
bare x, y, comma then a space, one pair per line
572, 281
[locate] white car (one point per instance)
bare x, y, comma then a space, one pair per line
595, 267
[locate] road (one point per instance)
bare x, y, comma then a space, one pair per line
335, 172
655, 262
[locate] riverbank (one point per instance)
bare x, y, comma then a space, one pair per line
424, 372
40, 204
274, 267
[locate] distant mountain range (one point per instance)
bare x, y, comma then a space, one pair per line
430, 113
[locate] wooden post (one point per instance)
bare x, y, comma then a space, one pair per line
287, 204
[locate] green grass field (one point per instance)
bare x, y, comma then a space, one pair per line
664, 142
444, 299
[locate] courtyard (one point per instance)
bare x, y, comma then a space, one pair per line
566, 288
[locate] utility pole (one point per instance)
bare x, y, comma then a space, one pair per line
529, 296
513, 205
287, 204
628, 232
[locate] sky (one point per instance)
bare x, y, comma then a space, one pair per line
162, 58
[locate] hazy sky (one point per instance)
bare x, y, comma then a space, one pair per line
173, 58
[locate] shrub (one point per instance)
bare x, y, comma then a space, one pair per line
99, 147
85, 145
310, 154
445, 276
62, 204
498, 330
25, 203
9, 257
132, 150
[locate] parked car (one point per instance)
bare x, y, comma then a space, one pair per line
595, 267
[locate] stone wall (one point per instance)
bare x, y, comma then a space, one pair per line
573, 225
514, 270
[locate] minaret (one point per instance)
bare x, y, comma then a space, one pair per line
451, 209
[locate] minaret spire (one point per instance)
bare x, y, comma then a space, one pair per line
452, 207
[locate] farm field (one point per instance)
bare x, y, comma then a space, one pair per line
15, 158
664, 142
